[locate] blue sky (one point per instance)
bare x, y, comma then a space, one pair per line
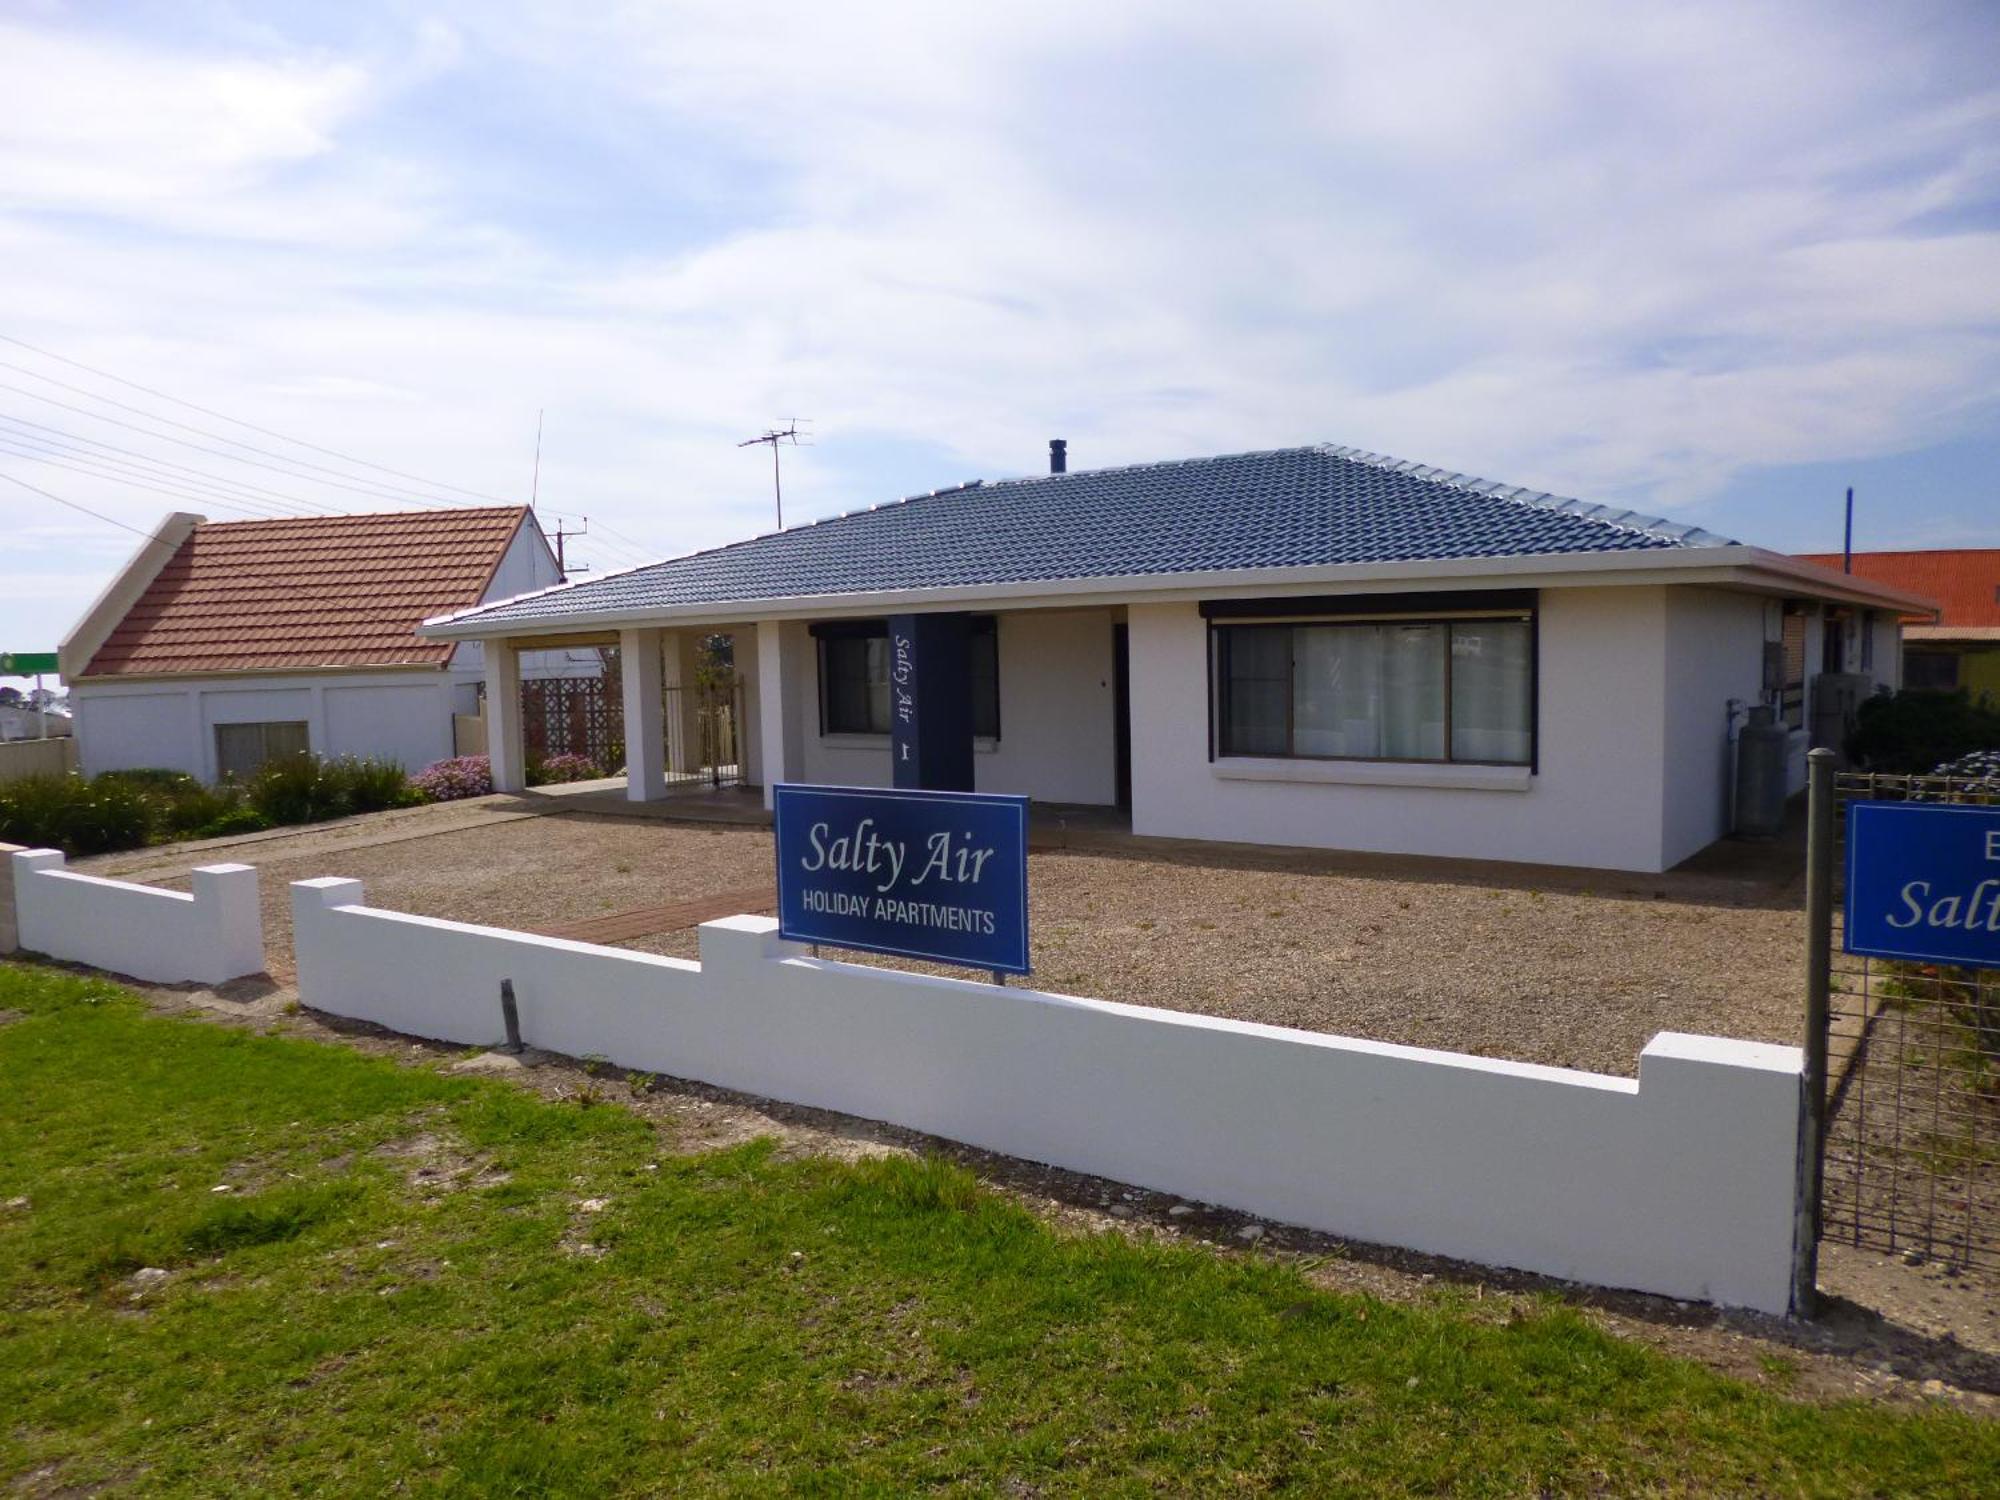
1714, 260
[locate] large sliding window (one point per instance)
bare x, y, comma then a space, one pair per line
1380, 685
854, 676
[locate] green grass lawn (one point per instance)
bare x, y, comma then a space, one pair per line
405, 1289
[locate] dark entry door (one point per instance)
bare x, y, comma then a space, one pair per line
1121, 710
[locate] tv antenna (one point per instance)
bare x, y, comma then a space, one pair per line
776, 436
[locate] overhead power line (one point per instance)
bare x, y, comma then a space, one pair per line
204, 448
206, 411
394, 491
77, 446
194, 496
291, 584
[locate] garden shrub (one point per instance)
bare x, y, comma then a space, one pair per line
558, 769
372, 785
236, 820
296, 789
449, 780
1908, 733
75, 814
130, 809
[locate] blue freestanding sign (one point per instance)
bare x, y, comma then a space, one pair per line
1923, 882
937, 875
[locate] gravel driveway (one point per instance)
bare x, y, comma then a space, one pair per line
1567, 972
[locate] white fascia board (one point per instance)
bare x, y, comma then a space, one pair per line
1819, 582
118, 596
1730, 566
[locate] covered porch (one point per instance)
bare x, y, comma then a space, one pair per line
714, 707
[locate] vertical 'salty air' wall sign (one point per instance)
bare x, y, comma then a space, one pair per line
937, 875
1923, 882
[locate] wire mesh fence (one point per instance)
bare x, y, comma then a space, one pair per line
1911, 1164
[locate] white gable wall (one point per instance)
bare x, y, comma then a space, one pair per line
526, 566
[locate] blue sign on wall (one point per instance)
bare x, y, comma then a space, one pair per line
937, 875
1923, 882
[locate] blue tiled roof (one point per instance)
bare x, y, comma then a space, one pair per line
1291, 507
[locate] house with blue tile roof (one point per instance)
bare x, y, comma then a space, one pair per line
1313, 646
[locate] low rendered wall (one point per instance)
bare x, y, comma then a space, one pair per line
210, 936
55, 756
1680, 1182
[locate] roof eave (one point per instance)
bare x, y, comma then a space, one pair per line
1731, 564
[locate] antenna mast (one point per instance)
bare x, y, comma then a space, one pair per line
535, 485
774, 436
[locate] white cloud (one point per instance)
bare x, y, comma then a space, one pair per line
1623, 251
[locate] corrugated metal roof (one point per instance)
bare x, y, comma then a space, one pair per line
318, 591
1965, 580
1290, 507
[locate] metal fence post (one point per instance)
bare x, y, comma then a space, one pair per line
1819, 973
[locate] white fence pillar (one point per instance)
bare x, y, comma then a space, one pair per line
645, 728
506, 751
209, 936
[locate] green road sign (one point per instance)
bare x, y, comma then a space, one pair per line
26, 663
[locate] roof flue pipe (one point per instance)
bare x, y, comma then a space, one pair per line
1058, 455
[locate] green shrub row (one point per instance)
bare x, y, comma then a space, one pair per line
130, 809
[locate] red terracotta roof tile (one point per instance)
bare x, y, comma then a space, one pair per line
1965, 580
318, 591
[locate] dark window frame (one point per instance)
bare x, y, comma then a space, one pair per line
1509, 606
985, 635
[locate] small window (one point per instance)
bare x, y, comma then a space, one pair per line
242, 749
854, 677
1792, 696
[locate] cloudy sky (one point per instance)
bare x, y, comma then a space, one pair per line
1717, 260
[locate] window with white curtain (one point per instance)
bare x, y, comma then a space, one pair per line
1389, 689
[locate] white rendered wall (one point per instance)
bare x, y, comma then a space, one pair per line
1715, 653
401, 716
1679, 1183
211, 936
1596, 801
1057, 738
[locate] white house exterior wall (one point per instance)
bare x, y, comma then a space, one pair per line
1715, 653
1057, 738
400, 716
1598, 799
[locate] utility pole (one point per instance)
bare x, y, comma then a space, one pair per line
1847, 540
556, 536
789, 433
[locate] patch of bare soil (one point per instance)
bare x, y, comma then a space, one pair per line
1889, 1333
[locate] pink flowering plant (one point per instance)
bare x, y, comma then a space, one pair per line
560, 768
449, 780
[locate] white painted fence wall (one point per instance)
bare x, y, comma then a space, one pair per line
1680, 1182
210, 936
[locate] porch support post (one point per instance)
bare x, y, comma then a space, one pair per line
645, 728
506, 752
682, 655
781, 745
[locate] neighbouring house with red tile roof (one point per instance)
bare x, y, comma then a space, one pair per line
1960, 648
223, 644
